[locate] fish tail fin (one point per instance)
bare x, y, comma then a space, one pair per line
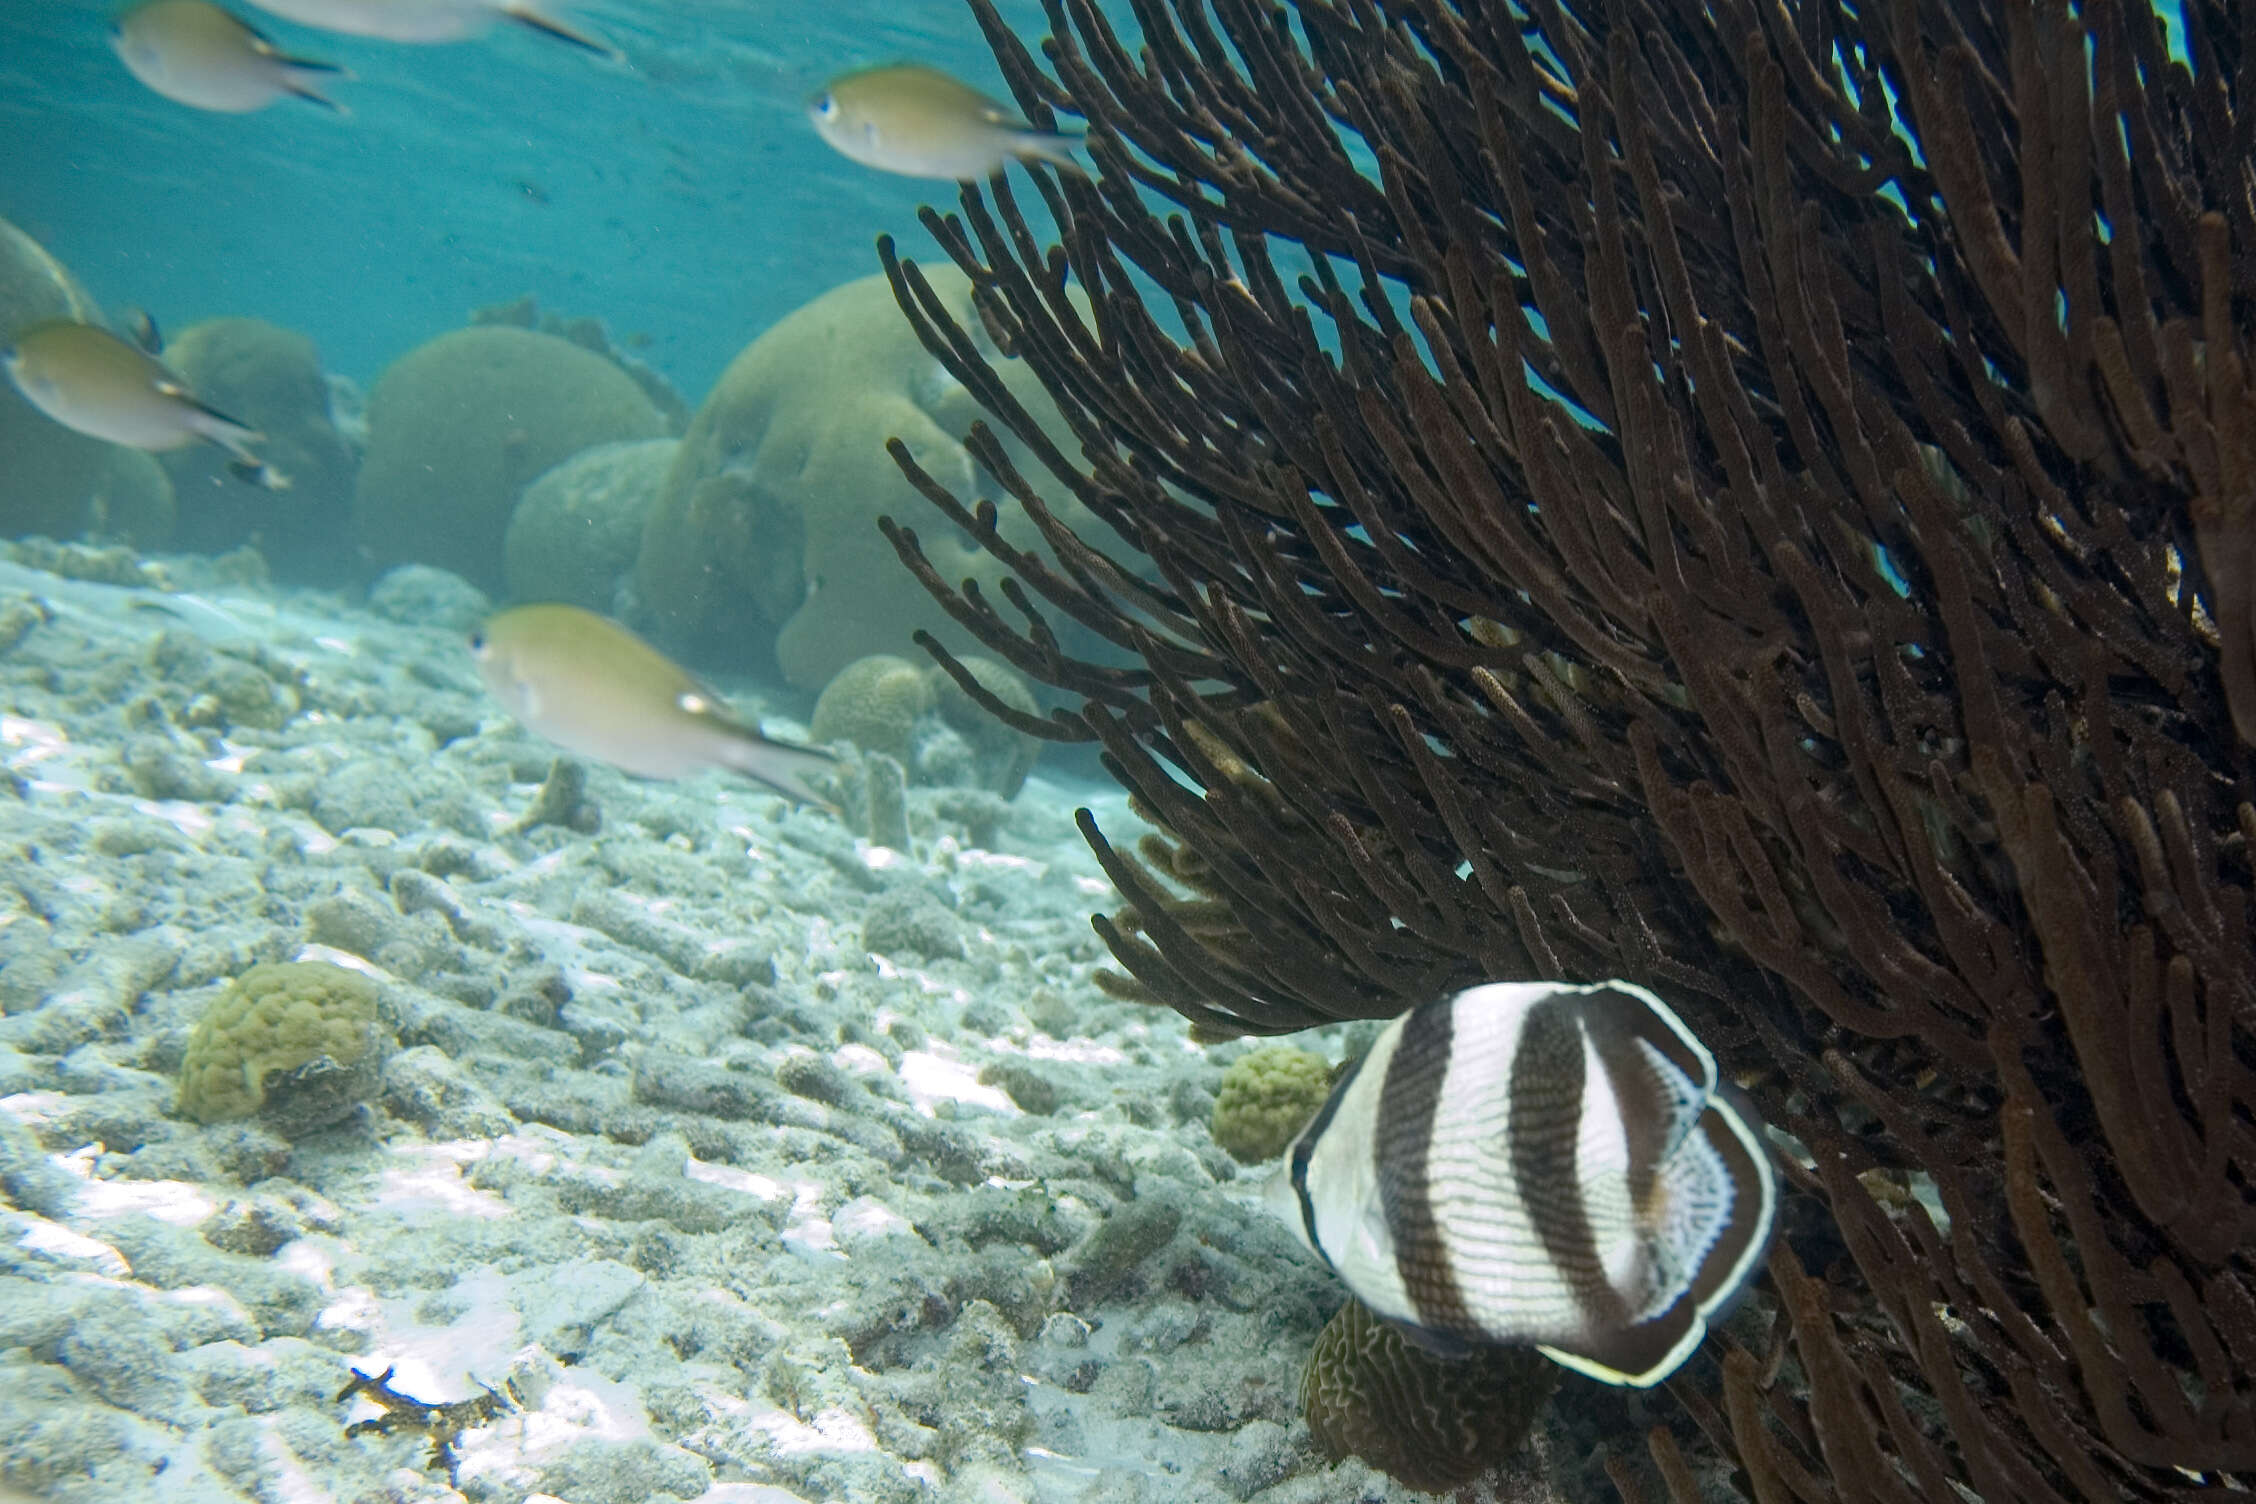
256, 472
1719, 1204
1702, 1196
1053, 147
526, 14
228, 433
782, 766
303, 87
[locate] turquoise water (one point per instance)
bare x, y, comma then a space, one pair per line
682, 195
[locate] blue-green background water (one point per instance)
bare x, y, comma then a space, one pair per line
682, 195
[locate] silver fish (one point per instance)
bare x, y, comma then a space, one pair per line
195, 53
430, 20
921, 123
89, 379
589, 685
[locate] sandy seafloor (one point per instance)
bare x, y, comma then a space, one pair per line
704, 1131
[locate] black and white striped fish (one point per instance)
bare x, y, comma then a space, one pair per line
1536, 1162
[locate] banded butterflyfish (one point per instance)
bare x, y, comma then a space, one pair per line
1538, 1163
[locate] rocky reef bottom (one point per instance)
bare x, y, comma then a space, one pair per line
704, 1151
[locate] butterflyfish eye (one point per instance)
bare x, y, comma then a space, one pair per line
477, 642
825, 106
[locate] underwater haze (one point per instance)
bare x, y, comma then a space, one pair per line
681, 195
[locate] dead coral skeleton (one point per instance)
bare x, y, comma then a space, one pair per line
1757, 500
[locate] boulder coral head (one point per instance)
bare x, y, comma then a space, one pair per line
1267, 1096
766, 530
270, 378
575, 531
874, 703
458, 426
57, 482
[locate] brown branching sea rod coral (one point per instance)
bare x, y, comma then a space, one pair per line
1754, 499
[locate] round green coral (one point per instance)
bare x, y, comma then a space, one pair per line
298, 1041
874, 703
576, 530
1266, 1097
766, 529
1429, 1423
458, 426
272, 379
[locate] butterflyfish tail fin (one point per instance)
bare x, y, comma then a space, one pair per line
1703, 1196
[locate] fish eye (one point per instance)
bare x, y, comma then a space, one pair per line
825, 107
477, 642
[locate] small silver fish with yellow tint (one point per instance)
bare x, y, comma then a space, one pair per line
921, 123
593, 687
430, 20
90, 380
195, 53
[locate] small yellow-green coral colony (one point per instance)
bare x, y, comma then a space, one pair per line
299, 1040
1267, 1096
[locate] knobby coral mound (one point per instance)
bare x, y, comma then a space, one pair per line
575, 531
766, 529
1756, 501
462, 423
921, 718
1267, 1096
299, 1041
270, 378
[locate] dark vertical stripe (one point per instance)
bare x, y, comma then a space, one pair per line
1404, 1137
1305, 1145
1542, 1132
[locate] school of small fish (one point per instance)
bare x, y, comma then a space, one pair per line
1522, 1163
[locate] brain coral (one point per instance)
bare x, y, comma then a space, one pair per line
874, 703
1429, 1423
919, 717
55, 481
270, 378
1267, 1094
575, 532
297, 1041
458, 426
767, 524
